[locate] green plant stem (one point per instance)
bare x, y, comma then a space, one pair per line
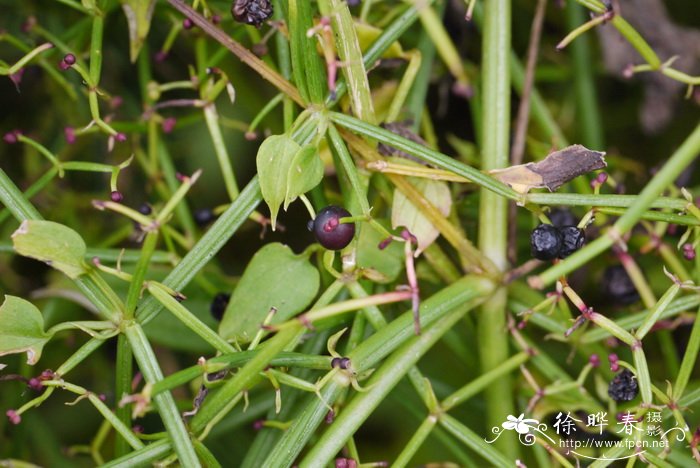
123, 379
480, 383
378, 387
207, 247
211, 118
680, 159
493, 234
587, 110
488, 451
412, 446
689, 359
148, 363
426, 154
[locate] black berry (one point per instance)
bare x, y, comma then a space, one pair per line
561, 217
618, 286
203, 216
253, 12
328, 229
218, 305
572, 239
623, 386
145, 209
545, 242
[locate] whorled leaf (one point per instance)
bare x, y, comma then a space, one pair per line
276, 279
21, 329
52, 243
286, 170
406, 214
305, 173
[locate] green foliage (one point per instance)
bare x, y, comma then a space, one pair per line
52, 243
21, 329
264, 289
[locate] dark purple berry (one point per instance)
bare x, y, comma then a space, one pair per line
618, 286
203, 216
145, 209
572, 239
561, 217
69, 59
623, 386
253, 12
545, 242
329, 231
218, 305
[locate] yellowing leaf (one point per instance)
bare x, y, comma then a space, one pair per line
404, 213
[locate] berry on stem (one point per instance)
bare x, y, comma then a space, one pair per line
253, 12
203, 216
545, 242
572, 239
623, 386
329, 231
219, 304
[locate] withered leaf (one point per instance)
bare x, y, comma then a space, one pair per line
553, 171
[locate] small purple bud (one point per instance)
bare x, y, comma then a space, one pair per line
594, 360
187, 23
385, 243
69, 59
116, 102
688, 252
13, 417
251, 136
259, 424
216, 19
160, 56
168, 124
11, 137
69, 134
35, 384
116, 196
614, 364
121, 137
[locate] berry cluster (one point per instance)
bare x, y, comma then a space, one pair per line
623, 387
548, 242
253, 12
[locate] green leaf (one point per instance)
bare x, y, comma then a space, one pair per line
307, 67
404, 213
52, 243
21, 329
274, 159
138, 18
275, 277
388, 262
305, 172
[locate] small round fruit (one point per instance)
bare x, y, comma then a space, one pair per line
328, 229
572, 239
561, 217
254, 12
623, 386
203, 216
219, 304
618, 286
545, 242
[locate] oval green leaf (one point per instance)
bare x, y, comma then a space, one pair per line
274, 278
274, 159
21, 329
52, 243
305, 173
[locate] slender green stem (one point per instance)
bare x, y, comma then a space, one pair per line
689, 359
492, 240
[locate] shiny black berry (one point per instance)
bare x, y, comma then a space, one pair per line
218, 305
203, 217
253, 12
561, 217
545, 242
145, 209
572, 239
328, 230
623, 386
618, 286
